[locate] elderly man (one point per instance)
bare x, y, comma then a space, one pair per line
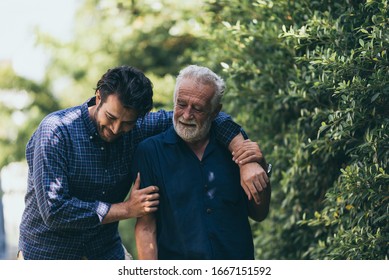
203, 211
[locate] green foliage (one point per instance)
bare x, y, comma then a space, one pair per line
163, 91
126, 230
152, 36
23, 104
309, 80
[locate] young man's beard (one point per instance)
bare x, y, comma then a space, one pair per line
101, 128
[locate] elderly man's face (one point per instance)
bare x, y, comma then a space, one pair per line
193, 113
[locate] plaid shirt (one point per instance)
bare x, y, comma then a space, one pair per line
74, 177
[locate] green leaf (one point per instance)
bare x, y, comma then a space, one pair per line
375, 96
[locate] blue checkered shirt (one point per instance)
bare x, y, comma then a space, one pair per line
74, 177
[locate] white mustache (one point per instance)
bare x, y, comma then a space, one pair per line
189, 122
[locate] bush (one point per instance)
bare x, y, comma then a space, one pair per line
309, 80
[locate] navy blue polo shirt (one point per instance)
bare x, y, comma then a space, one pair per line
203, 210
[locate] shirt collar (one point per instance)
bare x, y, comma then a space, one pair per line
171, 137
90, 125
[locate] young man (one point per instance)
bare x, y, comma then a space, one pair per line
79, 170
203, 211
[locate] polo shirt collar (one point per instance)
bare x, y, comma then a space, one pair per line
89, 124
171, 137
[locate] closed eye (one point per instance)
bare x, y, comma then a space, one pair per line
198, 110
109, 116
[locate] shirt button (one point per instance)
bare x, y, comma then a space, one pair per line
102, 148
105, 170
209, 210
91, 137
103, 192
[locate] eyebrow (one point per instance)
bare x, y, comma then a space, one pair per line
113, 116
110, 115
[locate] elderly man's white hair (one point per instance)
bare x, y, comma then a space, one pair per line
204, 76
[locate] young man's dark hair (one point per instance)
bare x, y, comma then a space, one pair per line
134, 89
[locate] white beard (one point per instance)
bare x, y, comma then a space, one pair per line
192, 134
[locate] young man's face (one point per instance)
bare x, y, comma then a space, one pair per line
193, 114
112, 119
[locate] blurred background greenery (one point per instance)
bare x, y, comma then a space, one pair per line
308, 80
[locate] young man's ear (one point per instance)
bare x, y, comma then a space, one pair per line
217, 110
98, 97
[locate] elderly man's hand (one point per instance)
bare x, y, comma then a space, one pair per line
253, 179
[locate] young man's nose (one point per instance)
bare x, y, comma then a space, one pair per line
115, 127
